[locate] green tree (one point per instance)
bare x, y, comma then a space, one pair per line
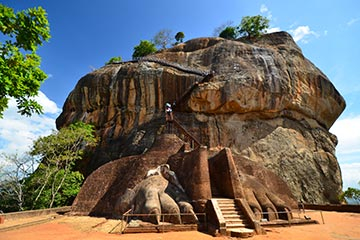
70, 188
253, 26
114, 60
144, 48
20, 73
163, 38
351, 194
179, 37
220, 28
58, 153
229, 33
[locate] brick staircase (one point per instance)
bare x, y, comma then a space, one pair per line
235, 221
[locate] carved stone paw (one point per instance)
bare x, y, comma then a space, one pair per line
160, 200
263, 202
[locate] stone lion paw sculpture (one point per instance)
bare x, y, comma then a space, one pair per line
263, 202
218, 176
160, 196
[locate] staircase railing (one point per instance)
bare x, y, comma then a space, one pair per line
254, 223
193, 141
127, 216
206, 77
174, 65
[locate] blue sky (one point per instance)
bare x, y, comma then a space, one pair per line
85, 34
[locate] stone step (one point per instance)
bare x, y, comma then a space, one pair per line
223, 200
235, 225
228, 206
241, 233
238, 220
233, 210
235, 222
233, 216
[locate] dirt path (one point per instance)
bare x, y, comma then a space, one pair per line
344, 226
340, 226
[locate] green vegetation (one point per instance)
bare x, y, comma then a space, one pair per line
55, 182
220, 28
179, 37
351, 195
20, 73
250, 26
253, 26
114, 60
58, 153
229, 33
144, 48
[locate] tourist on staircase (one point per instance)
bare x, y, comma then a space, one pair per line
169, 117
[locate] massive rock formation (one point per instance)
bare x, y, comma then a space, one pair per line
263, 99
125, 184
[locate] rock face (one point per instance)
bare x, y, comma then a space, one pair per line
263, 99
133, 184
102, 189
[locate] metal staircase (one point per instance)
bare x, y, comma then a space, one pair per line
184, 134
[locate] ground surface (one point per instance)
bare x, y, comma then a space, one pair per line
344, 226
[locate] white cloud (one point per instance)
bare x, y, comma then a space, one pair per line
17, 132
348, 149
273, 29
350, 175
347, 131
264, 9
352, 21
48, 105
302, 33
